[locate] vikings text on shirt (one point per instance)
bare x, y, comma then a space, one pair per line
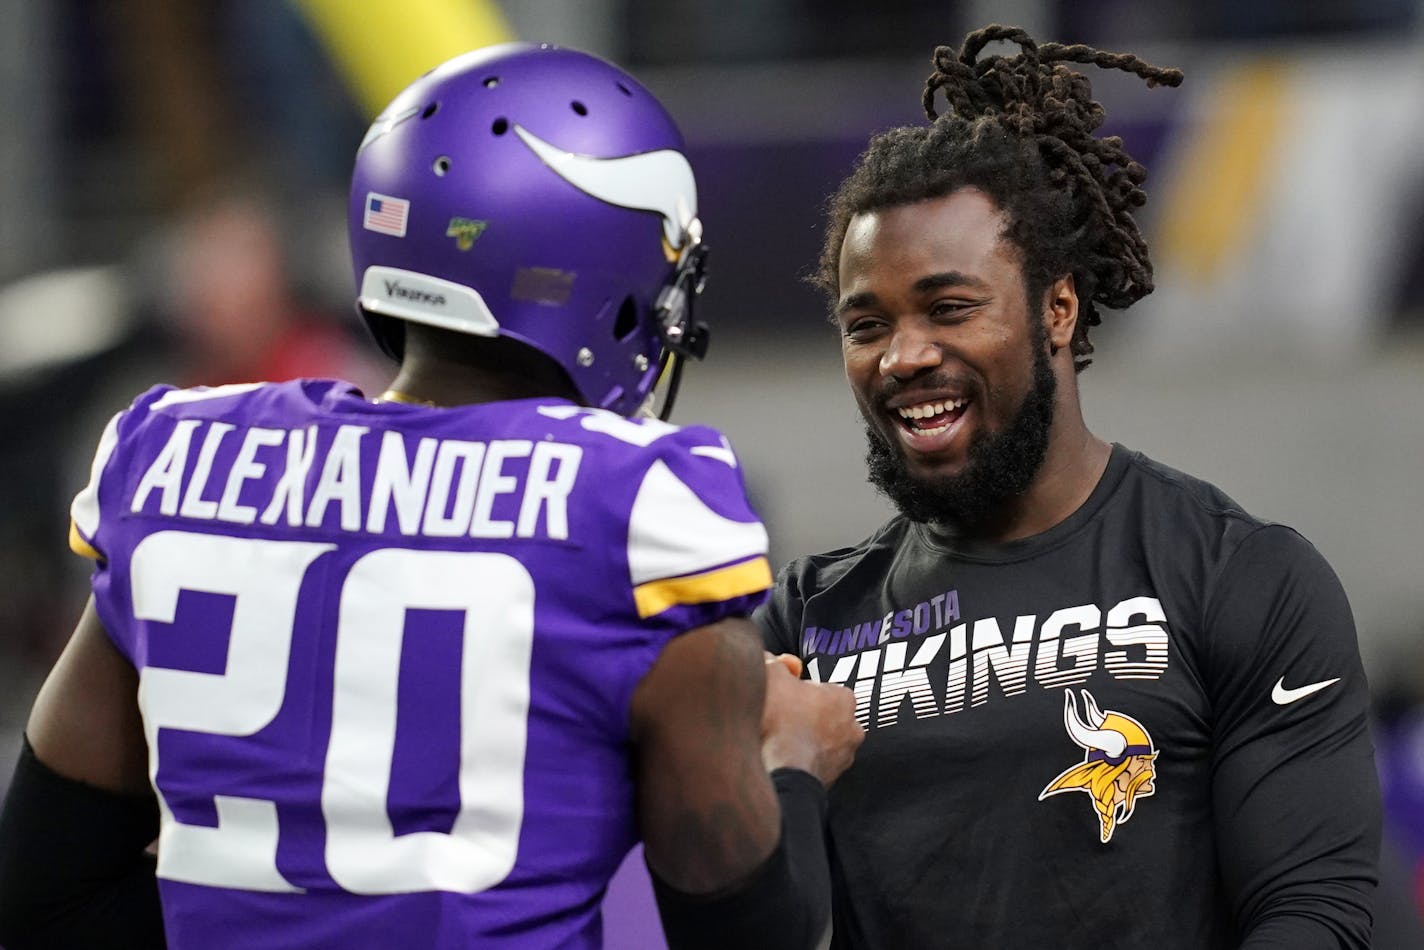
886, 660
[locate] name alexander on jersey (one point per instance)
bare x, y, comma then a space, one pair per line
444, 488
1129, 640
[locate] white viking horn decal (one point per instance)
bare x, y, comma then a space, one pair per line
1095, 715
1109, 741
659, 181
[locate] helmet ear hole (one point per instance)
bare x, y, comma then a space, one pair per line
627, 319
500, 126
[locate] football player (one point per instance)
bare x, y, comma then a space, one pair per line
420, 669
1107, 707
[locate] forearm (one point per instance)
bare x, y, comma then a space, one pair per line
1303, 930
783, 905
1299, 840
1316, 915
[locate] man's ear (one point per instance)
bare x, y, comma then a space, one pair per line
1060, 312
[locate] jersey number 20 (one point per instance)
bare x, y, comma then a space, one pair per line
363, 854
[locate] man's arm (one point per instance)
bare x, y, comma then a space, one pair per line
1295, 791
80, 811
737, 855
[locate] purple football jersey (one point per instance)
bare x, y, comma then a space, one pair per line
386, 652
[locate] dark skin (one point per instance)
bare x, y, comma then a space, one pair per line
932, 312
436, 368
709, 720
85, 722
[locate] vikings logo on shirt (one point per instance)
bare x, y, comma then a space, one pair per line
1118, 767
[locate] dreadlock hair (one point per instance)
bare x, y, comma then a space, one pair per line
1020, 129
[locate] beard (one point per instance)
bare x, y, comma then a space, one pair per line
1001, 465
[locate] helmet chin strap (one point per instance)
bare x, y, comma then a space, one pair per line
675, 380
683, 337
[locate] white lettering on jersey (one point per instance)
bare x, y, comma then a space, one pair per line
363, 853
244, 468
401, 481
549, 494
288, 495
340, 480
493, 483
450, 488
194, 505
452, 453
166, 472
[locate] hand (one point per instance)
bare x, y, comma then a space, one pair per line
807, 725
789, 660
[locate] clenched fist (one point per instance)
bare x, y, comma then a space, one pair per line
807, 725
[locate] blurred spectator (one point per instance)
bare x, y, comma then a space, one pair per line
234, 310
217, 304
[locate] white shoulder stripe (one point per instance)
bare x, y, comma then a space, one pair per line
722, 453
199, 393
640, 432
671, 532
85, 507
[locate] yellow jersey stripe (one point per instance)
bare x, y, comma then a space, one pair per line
724, 583
385, 45
79, 546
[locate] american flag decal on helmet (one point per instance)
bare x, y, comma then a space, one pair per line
385, 215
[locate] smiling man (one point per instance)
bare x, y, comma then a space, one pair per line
1105, 707
955, 440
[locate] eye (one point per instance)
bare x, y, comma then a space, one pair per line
950, 311
859, 329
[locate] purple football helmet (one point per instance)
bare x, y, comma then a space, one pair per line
540, 194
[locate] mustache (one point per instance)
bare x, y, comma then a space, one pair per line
890, 387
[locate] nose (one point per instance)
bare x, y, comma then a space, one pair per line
911, 351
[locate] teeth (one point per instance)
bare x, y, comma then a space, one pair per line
925, 410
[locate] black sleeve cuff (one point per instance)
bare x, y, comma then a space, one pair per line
783, 905
73, 870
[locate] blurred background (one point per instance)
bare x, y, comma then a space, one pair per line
172, 208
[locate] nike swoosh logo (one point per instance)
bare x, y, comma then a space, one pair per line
1283, 696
